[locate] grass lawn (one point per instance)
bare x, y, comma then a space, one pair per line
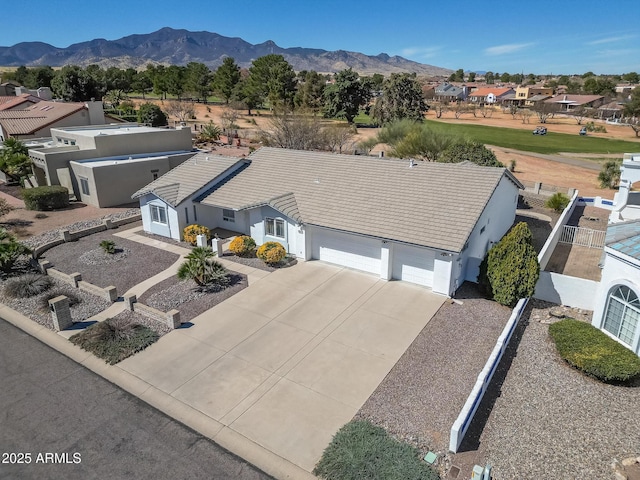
363, 119
525, 140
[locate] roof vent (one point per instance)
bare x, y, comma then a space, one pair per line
411, 164
206, 158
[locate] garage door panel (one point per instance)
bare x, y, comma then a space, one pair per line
413, 264
351, 251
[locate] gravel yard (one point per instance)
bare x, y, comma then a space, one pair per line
185, 297
550, 421
134, 264
421, 397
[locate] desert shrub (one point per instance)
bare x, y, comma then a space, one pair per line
557, 202
10, 250
5, 207
200, 267
113, 341
510, 270
271, 252
191, 232
474, 152
28, 285
592, 127
109, 246
46, 198
40, 216
73, 298
361, 450
609, 175
593, 352
243, 246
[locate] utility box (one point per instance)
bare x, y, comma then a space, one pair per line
201, 240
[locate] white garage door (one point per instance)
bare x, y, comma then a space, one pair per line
347, 250
413, 264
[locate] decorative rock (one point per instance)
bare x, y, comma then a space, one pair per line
557, 312
627, 462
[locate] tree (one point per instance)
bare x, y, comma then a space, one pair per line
198, 79
345, 96
273, 79
474, 152
40, 77
74, 84
151, 114
457, 76
10, 250
226, 78
409, 139
609, 176
489, 78
175, 77
295, 131
15, 162
339, 137
401, 98
142, 83
472, 77
632, 111
510, 270
181, 110
310, 91
631, 77
545, 110
200, 267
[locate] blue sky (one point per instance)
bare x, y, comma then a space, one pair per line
565, 36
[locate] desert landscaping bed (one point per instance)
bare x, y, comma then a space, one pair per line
421, 397
550, 420
184, 296
133, 263
84, 306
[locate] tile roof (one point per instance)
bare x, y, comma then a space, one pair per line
23, 101
186, 179
484, 91
36, 117
624, 237
432, 204
574, 99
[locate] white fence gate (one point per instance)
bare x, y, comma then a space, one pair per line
582, 236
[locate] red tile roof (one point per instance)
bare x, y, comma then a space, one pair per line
36, 117
20, 102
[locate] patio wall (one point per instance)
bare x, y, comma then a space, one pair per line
554, 236
566, 290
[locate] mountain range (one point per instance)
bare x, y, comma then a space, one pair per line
178, 47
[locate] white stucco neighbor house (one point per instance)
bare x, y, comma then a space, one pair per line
425, 223
617, 310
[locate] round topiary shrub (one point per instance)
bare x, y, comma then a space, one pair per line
51, 197
191, 232
243, 246
28, 285
271, 252
588, 349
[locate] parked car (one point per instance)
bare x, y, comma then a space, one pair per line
540, 131
583, 131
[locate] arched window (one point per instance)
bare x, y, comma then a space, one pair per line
622, 314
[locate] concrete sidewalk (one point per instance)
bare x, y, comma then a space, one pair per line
274, 371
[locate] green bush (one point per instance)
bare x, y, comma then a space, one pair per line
46, 198
28, 285
151, 114
557, 202
510, 270
10, 250
113, 341
200, 267
271, 252
362, 451
592, 351
243, 246
109, 246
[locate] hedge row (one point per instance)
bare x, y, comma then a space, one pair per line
46, 198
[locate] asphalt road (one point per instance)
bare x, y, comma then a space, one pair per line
51, 405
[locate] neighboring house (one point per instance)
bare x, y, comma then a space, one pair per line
37, 120
625, 88
447, 92
611, 111
617, 310
489, 95
535, 100
43, 93
19, 102
525, 92
567, 103
425, 223
103, 165
8, 89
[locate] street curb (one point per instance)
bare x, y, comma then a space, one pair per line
224, 436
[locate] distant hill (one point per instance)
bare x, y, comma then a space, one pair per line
179, 47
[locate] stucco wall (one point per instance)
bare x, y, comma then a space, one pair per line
566, 290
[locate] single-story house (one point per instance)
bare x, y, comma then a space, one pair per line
447, 92
19, 102
425, 223
37, 120
617, 309
489, 95
572, 102
103, 165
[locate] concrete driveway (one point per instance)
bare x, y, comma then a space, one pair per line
290, 359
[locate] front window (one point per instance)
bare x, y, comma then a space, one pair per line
622, 314
274, 227
84, 186
159, 214
228, 215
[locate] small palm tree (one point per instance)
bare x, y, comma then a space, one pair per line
203, 269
